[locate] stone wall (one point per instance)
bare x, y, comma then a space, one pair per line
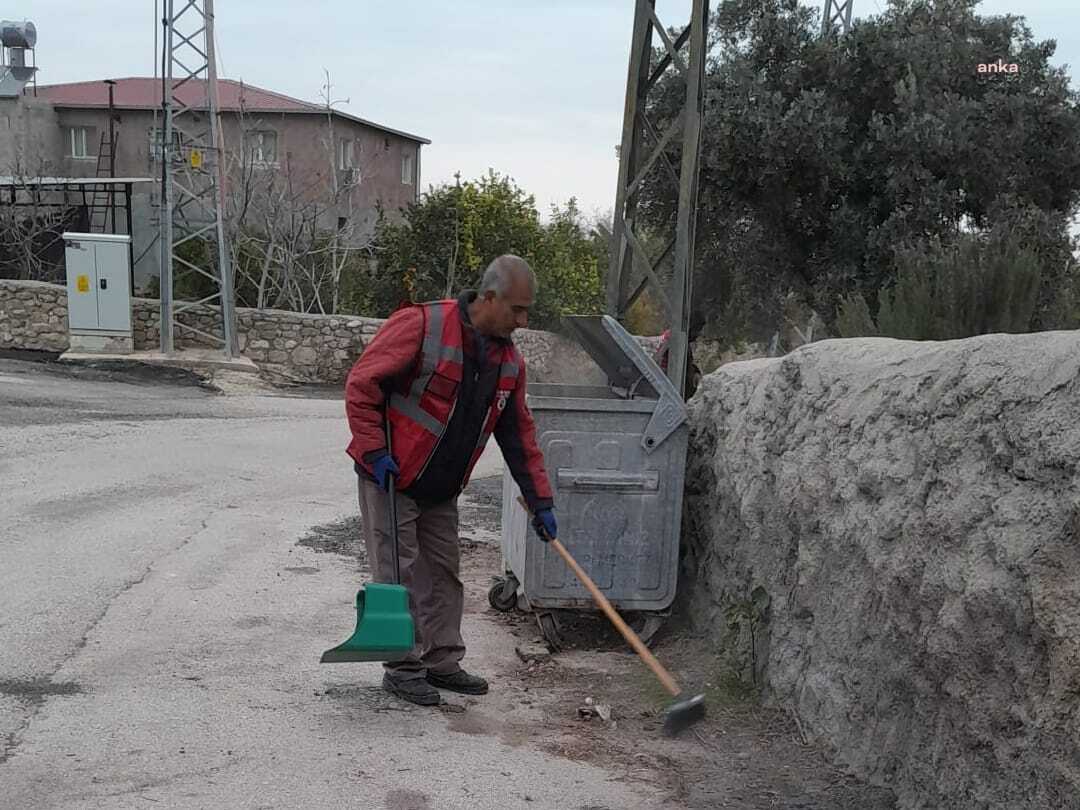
33, 315
899, 524
316, 348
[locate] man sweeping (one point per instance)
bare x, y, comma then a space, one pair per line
444, 376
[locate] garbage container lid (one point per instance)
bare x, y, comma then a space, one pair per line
617, 352
628, 366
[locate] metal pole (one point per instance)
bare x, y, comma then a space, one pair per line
112, 129
686, 218
836, 15
165, 235
647, 153
157, 22
193, 179
131, 236
228, 314
112, 153
636, 79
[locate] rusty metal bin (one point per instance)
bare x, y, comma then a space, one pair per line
616, 456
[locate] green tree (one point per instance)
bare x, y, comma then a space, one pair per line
819, 157
567, 261
442, 243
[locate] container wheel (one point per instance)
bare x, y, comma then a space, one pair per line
647, 626
503, 593
550, 629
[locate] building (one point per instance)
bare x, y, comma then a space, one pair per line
343, 166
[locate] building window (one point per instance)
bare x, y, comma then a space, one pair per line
349, 178
157, 137
407, 169
386, 144
78, 139
263, 146
345, 154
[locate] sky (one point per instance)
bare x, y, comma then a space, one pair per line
530, 88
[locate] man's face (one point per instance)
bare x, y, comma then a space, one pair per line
504, 314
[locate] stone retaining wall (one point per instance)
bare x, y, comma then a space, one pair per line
33, 315
316, 348
889, 533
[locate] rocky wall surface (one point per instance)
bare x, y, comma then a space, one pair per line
896, 526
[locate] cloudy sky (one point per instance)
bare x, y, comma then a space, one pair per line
531, 88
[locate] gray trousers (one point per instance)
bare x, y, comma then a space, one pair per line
430, 559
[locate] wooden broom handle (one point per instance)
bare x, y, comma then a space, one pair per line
631, 637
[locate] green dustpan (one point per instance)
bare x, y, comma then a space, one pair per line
384, 625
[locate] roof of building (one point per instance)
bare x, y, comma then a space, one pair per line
144, 93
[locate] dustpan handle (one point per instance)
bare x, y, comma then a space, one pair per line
391, 490
393, 529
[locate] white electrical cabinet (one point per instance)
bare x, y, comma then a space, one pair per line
99, 291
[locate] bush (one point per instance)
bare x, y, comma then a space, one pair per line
854, 319
977, 285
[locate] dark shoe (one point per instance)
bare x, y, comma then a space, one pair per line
460, 681
414, 690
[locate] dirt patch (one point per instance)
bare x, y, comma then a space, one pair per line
30, 355
407, 800
742, 755
119, 370
251, 622
35, 690
477, 722
481, 507
361, 701
590, 630
8, 747
344, 537
288, 384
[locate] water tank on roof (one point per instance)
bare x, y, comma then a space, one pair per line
16, 38
18, 34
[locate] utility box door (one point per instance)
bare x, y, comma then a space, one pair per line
98, 282
82, 284
113, 282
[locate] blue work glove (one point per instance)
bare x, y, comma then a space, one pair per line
544, 523
383, 466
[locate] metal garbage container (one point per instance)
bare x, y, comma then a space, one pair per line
616, 456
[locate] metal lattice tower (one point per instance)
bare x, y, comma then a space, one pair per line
192, 175
836, 16
644, 147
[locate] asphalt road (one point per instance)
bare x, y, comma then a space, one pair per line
160, 627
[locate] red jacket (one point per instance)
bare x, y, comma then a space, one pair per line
412, 370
